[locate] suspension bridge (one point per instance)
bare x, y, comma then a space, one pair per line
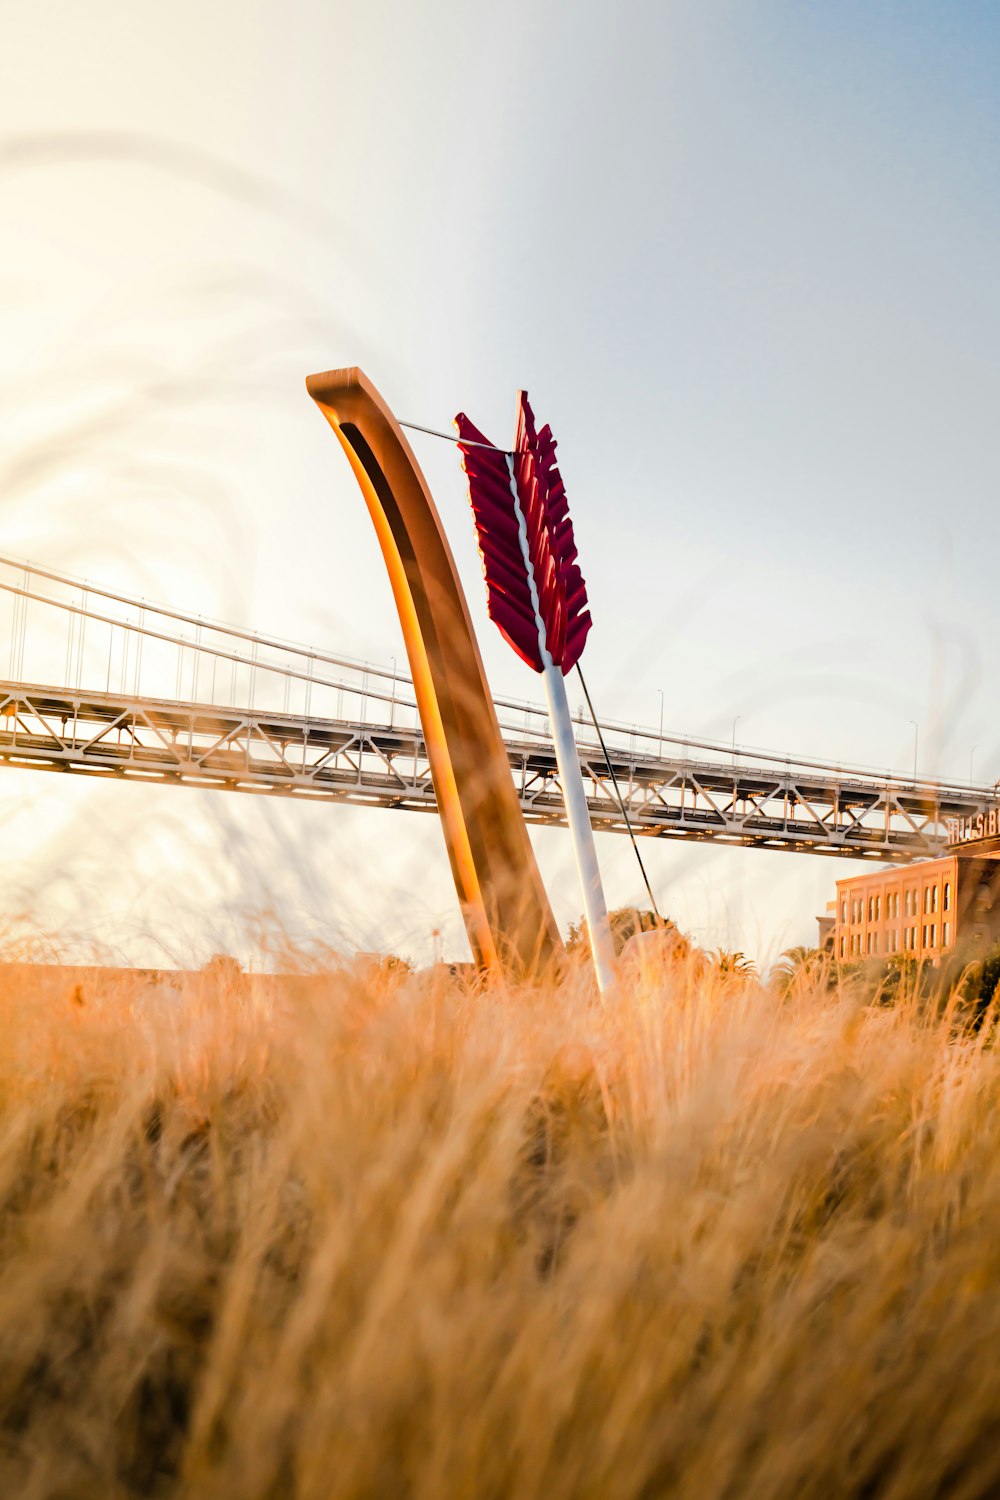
103, 684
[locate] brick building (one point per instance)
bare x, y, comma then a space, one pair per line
924, 910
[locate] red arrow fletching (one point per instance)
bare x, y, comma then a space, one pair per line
535, 590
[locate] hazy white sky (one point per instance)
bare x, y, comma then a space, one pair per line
743, 256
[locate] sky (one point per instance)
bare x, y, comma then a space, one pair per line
743, 256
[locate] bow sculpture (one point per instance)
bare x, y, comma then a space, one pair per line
538, 599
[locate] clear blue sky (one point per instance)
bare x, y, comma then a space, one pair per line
743, 256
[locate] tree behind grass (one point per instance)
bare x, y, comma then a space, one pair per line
625, 922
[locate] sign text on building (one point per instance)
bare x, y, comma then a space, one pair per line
984, 825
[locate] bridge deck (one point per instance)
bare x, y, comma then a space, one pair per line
784, 806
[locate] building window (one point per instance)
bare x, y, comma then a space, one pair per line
927, 900
945, 932
923, 936
947, 895
843, 913
843, 947
933, 934
934, 898
878, 908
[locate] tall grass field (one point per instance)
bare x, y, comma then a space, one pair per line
371, 1233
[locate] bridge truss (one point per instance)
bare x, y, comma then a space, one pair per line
277, 754
159, 696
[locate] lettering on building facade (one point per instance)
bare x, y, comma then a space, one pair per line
984, 825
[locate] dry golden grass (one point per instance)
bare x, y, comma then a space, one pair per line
389, 1236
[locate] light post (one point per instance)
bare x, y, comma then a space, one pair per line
916, 734
735, 722
392, 700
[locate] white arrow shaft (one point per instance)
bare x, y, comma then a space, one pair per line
578, 816
595, 907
